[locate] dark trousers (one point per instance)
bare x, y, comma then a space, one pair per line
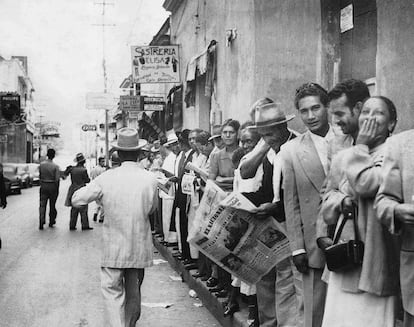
204, 265
158, 218
48, 192
184, 233
83, 211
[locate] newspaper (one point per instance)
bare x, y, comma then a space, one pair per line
237, 241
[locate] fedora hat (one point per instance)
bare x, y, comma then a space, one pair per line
270, 114
216, 132
79, 158
128, 140
171, 137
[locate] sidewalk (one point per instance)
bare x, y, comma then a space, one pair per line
212, 303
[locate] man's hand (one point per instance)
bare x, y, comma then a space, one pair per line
264, 210
301, 262
324, 242
404, 212
173, 179
368, 133
347, 206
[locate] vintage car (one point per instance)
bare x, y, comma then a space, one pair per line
34, 173
23, 172
12, 179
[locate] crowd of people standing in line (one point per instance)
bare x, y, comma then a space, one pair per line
336, 183
341, 183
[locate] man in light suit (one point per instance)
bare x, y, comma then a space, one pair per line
305, 165
395, 208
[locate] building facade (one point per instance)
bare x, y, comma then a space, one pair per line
260, 48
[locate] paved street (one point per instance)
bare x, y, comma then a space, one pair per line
50, 278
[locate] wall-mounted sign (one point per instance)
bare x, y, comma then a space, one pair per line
88, 127
130, 102
99, 101
155, 64
154, 104
347, 18
10, 106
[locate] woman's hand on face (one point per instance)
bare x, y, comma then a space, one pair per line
368, 133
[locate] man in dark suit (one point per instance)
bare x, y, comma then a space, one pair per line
49, 175
80, 178
3, 202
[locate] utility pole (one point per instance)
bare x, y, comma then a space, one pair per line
105, 77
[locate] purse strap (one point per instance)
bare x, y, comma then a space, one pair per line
350, 215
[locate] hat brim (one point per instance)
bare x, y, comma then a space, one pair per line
141, 144
262, 126
214, 137
170, 142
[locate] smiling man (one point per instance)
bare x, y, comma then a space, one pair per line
305, 165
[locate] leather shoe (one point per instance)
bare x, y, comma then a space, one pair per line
230, 309
87, 228
197, 275
212, 282
72, 228
204, 278
51, 225
188, 261
216, 289
41, 227
221, 294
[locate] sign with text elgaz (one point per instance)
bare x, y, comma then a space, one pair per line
155, 64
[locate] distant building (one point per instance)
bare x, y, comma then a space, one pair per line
17, 138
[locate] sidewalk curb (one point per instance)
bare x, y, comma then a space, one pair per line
213, 304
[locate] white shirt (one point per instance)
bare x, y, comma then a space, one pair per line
128, 195
169, 162
322, 146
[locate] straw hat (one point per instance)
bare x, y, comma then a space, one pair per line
128, 140
171, 137
270, 114
79, 158
216, 132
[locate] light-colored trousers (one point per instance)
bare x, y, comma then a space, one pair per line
167, 208
279, 300
314, 295
121, 289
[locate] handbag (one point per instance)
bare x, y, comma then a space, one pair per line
345, 256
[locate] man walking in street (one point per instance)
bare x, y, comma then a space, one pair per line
79, 177
49, 175
128, 195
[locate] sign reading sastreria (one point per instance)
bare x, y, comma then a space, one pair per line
155, 64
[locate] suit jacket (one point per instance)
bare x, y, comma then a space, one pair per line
303, 177
357, 172
398, 187
79, 177
2, 190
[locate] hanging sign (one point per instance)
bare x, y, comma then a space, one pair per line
155, 64
347, 18
130, 102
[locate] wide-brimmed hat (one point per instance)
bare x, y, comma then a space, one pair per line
216, 132
128, 140
171, 137
79, 158
270, 114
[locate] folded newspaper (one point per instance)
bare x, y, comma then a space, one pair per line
226, 231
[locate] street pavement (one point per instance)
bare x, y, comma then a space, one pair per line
51, 278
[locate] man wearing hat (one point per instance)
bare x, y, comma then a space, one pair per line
79, 177
49, 175
216, 138
278, 300
128, 195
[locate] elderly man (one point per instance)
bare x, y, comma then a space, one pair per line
278, 301
128, 195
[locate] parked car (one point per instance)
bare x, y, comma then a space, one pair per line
34, 173
12, 179
23, 172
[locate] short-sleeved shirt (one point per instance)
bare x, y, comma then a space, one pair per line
221, 165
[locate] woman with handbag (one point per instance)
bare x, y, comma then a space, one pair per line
363, 281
